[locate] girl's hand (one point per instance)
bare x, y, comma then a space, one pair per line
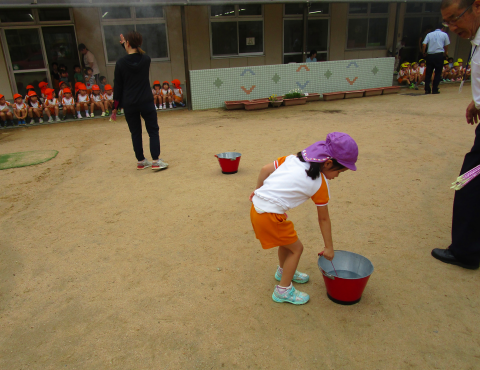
251, 195
328, 253
122, 39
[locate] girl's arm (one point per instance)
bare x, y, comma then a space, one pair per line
266, 171
326, 229
15, 113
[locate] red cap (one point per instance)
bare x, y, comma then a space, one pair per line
1, 96
42, 84
77, 84
176, 82
108, 87
62, 83
29, 87
67, 90
82, 87
96, 88
32, 93
16, 96
166, 82
156, 83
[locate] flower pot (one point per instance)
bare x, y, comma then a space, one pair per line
297, 101
235, 104
354, 94
373, 92
257, 100
254, 105
391, 90
334, 96
313, 97
276, 103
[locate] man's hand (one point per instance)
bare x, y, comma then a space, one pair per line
472, 114
122, 39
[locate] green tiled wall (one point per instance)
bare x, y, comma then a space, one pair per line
212, 87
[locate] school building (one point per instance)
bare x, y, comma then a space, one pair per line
205, 34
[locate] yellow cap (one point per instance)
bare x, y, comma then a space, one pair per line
456, 64
445, 62
421, 60
460, 60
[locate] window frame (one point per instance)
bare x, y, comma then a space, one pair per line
236, 18
368, 15
422, 12
36, 19
133, 21
290, 17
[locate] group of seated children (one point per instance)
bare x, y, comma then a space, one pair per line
414, 74
162, 94
86, 98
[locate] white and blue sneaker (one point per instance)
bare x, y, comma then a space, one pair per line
298, 277
289, 295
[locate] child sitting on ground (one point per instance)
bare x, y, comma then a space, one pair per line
450, 62
103, 82
35, 108
421, 72
177, 93
455, 74
445, 71
167, 95
108, 98
82, 101
468, 71
414, 76
97, 101
287, 183
51, 106
68, 102
89, 80
78, 75
5, 113
20, 109
404, 75
29, 88
157, 95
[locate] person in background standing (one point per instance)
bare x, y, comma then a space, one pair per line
89, 61
438, 42
312, 57
55, 75
463, 18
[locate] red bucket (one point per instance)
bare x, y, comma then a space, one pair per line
229, 162
346, 276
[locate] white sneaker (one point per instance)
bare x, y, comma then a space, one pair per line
103, 114
160, 107
50, 119
159, 165
157, 108
40, 120
90, 115
79, 115
143, 164
57, 119
121, 111
171, 106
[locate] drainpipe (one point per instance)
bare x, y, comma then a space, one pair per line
185, 58
305, 30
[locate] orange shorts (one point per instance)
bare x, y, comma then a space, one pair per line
272, 229
51, 109
400, 80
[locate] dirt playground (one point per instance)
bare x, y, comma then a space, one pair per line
106, 267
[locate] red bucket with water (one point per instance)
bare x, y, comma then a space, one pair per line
229, 162
346, 276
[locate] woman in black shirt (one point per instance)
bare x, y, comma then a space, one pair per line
132, 93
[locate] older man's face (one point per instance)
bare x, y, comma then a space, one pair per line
465, 27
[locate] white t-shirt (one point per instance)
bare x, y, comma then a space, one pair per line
35, 105
66, 101
5, 106
289, 186
177, 92
19, 107
108, 97
96, 98
51, 103
421, 69
83, 98
90, 61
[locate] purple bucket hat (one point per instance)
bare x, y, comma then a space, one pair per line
338, 146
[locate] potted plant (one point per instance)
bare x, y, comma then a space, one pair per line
275, 101
294, 97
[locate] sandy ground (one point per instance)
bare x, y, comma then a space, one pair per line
106, 267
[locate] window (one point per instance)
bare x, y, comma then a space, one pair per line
367, 25
236, 30
317, 31
16, 15
149, 21
420, 19
53, 14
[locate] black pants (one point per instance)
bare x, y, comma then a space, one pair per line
149, 114
466, 211
434, 62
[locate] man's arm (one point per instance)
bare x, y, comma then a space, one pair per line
424, 48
